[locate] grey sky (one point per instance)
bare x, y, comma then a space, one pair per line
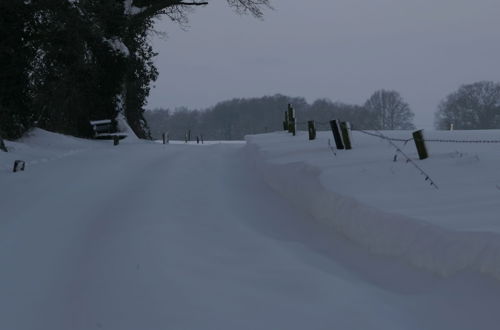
339, 49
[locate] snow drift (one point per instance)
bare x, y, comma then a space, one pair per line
385, 205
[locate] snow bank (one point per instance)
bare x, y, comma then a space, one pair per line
124, 127
40, 146
387, 206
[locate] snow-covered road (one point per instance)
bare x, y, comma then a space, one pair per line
145, 236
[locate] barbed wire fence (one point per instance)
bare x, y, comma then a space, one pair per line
331, 147
382, 136
394, 141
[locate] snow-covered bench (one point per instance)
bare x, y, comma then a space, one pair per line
106, 129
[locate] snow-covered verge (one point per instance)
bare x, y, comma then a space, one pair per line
386, 205
40, 146
205, 143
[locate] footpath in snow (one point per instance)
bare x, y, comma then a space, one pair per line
388, 206
146, 236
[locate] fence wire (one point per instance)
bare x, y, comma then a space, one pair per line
381, 136
392, 140
461, 141
407, 158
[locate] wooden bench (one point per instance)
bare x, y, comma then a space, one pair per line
106, 130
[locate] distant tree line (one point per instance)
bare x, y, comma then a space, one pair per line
66, 62
233, 119
472, 106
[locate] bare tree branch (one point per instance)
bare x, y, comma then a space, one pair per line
175, 8
253, 7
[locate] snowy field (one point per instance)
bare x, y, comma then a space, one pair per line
278, 233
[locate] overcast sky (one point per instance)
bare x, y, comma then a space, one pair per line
343, 50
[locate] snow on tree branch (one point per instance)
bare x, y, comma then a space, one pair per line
118, 45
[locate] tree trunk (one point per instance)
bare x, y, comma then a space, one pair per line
2, 145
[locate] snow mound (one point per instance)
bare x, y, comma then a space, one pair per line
40, 146
124, 127
386, 205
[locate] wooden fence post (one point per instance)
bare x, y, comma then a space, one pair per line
344, 128
334, 124
311, 129
418, 137
291, 120
164, 138
19, 165
116, 140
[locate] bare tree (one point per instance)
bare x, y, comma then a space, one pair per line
473, 106
389, 110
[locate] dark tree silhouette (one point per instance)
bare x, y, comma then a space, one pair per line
389, 110
473, 106
63, 63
